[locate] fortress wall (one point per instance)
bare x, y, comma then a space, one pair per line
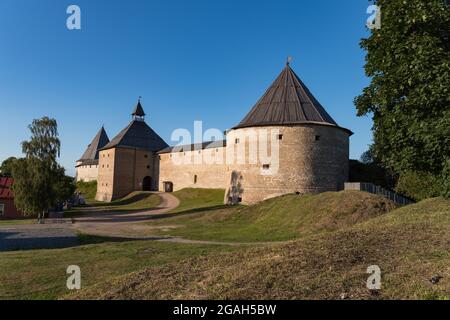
180, 168
122, 171
105, 178
304, 164
312, 158
87, 173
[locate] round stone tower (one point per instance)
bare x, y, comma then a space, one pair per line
287, 143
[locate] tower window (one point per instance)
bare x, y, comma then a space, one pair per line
145, 156
317, 138
148, 167
280, 137
266, 166
195, 178
236, 141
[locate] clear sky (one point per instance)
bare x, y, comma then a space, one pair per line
206, 60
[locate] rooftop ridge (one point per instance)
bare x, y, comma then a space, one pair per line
286, 101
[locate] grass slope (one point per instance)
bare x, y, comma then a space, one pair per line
410, 244
135, 201
41, 274
194, 200
277, 219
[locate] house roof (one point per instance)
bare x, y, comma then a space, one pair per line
99, 141
286, 101
5, 188
195, 146
137, 135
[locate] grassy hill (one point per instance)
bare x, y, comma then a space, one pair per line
195, 200
135, 201
277, 219
409, 244
41, 274
87, 190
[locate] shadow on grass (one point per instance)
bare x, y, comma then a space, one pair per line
112, 207
100, 215
188, 212
121, 202
86, 239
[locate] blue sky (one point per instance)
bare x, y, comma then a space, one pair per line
190, 60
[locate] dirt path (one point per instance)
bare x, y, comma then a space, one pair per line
124, 224
131, 226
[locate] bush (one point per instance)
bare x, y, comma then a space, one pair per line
445, 180
420, 185
87, 189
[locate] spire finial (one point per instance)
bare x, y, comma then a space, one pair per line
288, 60
138, 113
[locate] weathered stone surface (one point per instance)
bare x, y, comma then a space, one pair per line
311, 159
122, 171
87, 173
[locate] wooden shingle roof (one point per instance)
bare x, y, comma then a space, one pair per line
286, 101
100, 140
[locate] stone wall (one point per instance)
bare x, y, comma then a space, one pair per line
105, 178
122, 171
312, 159
194, 169
87, 173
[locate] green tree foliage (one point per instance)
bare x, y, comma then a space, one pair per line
65, 186
39, 181
6, 167
87, 189
408, 60
419, 185
371, 173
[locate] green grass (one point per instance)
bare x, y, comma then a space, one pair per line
135, 201
410, 245
278, 219
197, 199
41, 274
333, 237
17, 221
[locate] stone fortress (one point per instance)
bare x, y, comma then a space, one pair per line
311, 153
